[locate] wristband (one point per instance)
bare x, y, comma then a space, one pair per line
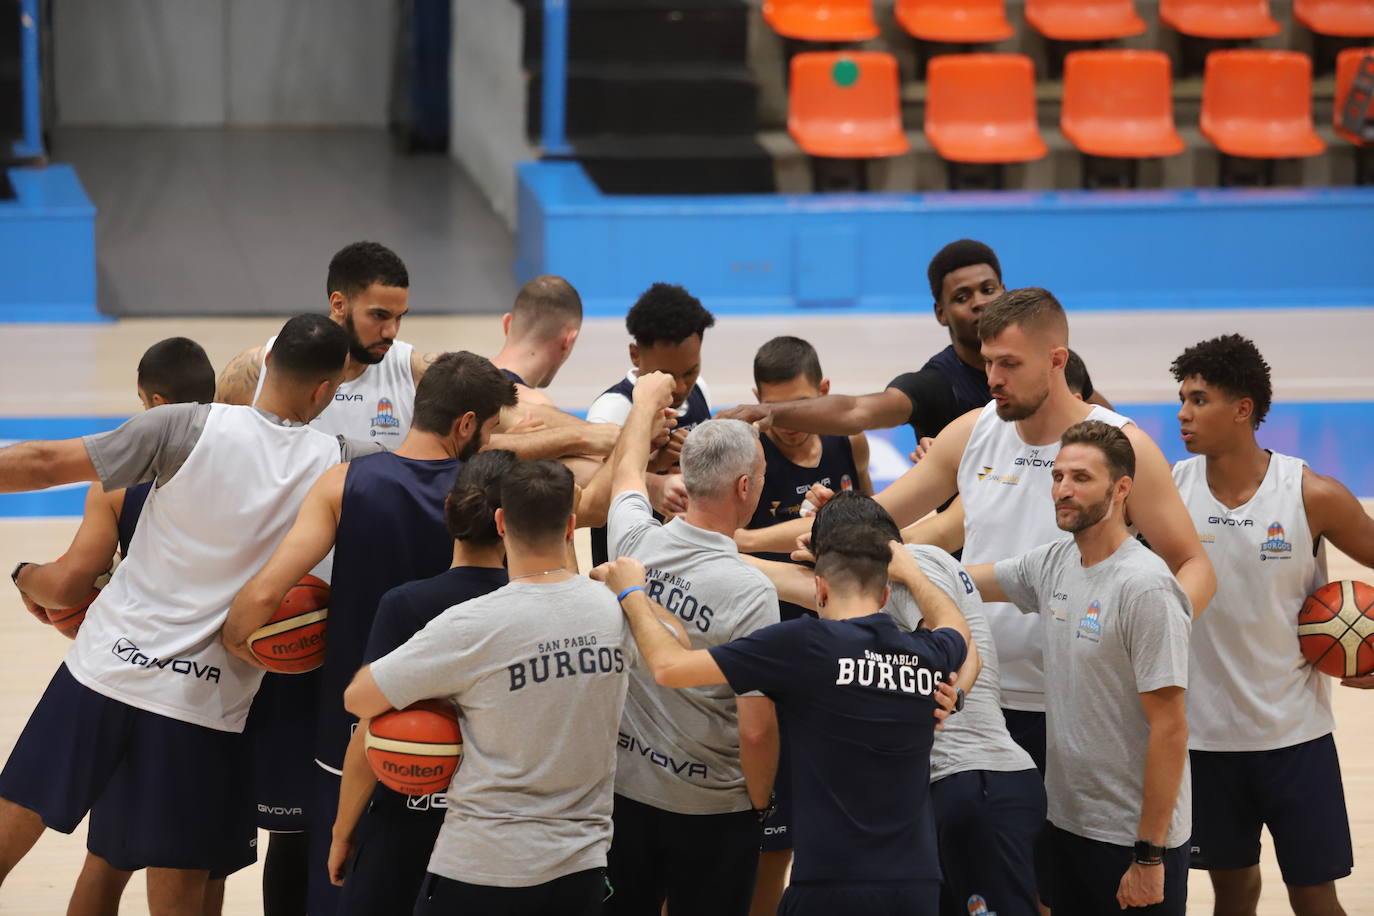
632, 588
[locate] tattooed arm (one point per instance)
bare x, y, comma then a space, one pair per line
239, 380
419, 362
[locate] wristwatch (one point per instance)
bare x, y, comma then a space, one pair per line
958, 699
14, 576
1146, 853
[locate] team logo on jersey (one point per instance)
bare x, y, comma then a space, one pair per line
1090, 627
385, 420
846, 483
1010, 480
1275, 547
773, 508
982, 474
977, 906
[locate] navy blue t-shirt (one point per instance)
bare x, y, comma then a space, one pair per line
403, 612
856, 706
943, 390
391, 530
785, 484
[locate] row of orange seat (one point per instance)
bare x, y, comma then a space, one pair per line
975, 21
981, 107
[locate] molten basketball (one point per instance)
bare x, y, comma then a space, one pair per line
68, 620
292, 640
416, 750
1336, 629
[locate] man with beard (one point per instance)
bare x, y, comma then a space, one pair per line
383, 517
1115, 626
369, 293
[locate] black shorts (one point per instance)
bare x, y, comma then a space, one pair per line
703, 864
393, 842
905, 898
777, 830
1295, 791
578, 894
987, 823
1087, 875
1027, 728
281, 730
161, 793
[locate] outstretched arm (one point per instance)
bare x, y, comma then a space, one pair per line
985, 578
305, 545
830, 415
673, 664
39, 465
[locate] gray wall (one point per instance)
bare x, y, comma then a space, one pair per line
192, 63
487, 98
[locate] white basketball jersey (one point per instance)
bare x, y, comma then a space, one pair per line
152, 638
1249, 687
375, 406
1009, 509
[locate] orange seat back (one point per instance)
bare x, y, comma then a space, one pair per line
1259, 104
1084, 20
956, 21
1119, 104
1219, 18
846, 104
981, 108
822, 20
1344, 18
1347, 64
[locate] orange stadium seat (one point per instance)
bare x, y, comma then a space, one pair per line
956, 21
1219, 18
1119, 104
822, 20
1344, 18
1347, 63
981, 108
846, 105
1259, 104
1084, 20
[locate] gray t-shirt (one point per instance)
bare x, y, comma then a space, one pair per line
679, 749
1112, 632
154, 445
538, 673
975, 738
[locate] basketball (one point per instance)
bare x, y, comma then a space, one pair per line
69, 620
416, 750
1336, 629
292, 640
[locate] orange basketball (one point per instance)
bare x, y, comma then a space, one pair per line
1336, 629
292, 640
416, 750
68, 620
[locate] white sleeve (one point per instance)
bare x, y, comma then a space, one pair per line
611, 407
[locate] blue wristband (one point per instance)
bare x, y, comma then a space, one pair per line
632, 588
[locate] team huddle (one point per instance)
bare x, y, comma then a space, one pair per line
1040, 670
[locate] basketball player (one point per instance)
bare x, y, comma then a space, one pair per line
1259, 715
171, 371
668, 325
383, 517
856, 695
541, 330
695, 768
986, 795
159, 702
786, 369
1115, 624
538, 671
369, 293
999, 459
382, 839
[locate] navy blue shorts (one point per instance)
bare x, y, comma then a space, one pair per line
987, 823
1087, 875
1027, 728
393, 842
1295, 791
777, 830
281, 730
161, 793
898, 898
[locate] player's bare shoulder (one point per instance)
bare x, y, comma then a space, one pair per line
239, 381
420, 363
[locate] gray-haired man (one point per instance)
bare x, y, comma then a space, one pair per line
695, 768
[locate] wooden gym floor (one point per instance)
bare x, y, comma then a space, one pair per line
88, 370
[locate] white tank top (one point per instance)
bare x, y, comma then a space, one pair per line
1008, 510
375, 406
1249, 687
153, 637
